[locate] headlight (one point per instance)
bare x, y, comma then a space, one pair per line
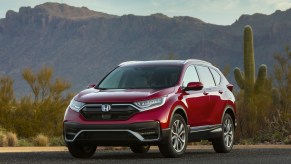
76, 105
150, 104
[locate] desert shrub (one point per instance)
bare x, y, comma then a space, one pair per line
277, 129
12, 139
272, 110
40, 140
44, 107
3, 139
25, 142
47, 104
2, 130
56, 141
278, 118
288, 140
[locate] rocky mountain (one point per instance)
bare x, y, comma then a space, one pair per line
83, 45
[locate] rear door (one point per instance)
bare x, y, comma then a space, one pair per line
217, 98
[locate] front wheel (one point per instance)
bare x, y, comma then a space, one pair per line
224, 143
81, 151
176, 143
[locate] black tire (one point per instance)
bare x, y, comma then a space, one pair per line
140, 148
175, 144
81, 150
224, 143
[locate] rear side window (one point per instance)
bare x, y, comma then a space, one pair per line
216, 76
205, 76
190, 76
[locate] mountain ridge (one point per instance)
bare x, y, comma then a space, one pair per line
83, 45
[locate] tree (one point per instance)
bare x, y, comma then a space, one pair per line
7, 97
46, 109
282, 75
7, 100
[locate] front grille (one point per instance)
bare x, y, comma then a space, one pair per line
117, 112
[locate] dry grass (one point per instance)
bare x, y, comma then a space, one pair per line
12, 139
40, 140
3, 140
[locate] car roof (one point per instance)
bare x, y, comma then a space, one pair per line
164, 62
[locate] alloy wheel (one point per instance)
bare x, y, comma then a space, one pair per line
228, 132
178, 132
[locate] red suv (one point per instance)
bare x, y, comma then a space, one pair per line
144, 103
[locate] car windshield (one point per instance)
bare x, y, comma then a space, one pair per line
141, 77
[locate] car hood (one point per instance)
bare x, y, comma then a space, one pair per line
93, 95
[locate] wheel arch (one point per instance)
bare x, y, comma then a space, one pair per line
180, 110
229, 110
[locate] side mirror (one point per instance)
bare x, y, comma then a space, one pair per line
91, 86
195, 86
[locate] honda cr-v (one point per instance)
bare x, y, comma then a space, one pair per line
142, 103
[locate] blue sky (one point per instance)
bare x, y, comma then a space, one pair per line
222, 12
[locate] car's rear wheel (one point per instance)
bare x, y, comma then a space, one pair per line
224, 143
139, 148
81, 150
175, 144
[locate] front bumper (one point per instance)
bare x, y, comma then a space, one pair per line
115, 134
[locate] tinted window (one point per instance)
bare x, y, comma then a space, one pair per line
190, 76
216, 76
141, 77
205, 76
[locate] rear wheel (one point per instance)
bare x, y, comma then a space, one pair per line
176, 143
224, 144
81, 150
139, 148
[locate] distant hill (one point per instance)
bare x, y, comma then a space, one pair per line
83, 45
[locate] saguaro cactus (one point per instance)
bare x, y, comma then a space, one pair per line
246, 80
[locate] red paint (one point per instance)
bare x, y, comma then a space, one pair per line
202, 106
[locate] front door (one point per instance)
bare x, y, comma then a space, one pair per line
197, 101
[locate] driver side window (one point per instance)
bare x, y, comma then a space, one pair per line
190, 76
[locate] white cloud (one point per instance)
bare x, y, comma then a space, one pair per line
283, 5
270, 5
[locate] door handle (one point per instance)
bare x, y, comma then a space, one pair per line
220, 91
205, 93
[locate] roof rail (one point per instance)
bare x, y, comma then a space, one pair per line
197, 61
127, 62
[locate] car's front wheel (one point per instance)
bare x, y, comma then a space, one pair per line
81, 150
176, 143
224, 143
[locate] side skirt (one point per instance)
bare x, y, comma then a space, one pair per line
206, 132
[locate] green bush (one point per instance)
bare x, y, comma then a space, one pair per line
25, 143
2, 130
40, 140
56, 141
12, 139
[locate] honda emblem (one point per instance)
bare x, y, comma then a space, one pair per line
105, 107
